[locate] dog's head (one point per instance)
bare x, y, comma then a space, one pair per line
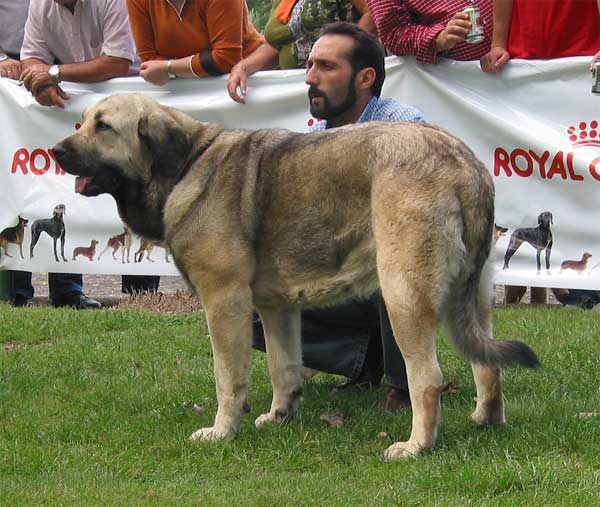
586, 256
545, 218
59, 210
125, 140
94, 243
499, 231
23, 222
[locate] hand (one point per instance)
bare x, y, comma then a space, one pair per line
10, 68
494, 60
155, 72
238, 79
36, 73
594, 59
456, 31
52, 95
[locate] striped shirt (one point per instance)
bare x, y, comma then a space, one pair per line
381, 110
410, 27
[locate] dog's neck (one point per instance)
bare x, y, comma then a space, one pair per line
141, 210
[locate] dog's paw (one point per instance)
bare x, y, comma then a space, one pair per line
401, 450
490, 418
268, 418
210, 434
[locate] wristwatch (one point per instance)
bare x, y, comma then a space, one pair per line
3, 56
170, 72
54, 72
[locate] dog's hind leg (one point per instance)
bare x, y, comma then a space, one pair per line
410, 287
35, 236
284, 356
513, 246
490, 403
228, 309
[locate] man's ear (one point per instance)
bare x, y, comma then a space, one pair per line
168, 143
365, 78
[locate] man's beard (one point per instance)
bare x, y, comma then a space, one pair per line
327, 111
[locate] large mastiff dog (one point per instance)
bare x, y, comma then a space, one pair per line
274, 221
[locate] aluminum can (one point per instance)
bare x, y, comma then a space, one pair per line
475, 34
596, 74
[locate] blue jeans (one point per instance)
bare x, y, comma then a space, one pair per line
59, 284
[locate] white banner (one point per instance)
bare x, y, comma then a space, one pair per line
534, 126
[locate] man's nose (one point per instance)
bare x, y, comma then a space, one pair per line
311, 77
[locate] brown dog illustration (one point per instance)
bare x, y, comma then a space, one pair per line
86, 251
499, 232
14, 235
122, 241
146, 246
578, 266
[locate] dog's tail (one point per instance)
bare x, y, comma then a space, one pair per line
469, 326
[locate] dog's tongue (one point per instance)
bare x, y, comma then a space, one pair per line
81, 182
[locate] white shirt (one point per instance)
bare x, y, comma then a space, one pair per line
96, 27
13, 14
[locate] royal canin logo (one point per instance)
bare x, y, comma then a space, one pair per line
562, 164
584, 137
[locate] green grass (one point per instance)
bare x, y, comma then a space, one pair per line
92, 413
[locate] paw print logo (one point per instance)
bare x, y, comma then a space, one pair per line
584, 134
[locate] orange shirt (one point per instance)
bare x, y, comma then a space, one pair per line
217, 33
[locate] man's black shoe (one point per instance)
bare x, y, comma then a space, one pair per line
78, 301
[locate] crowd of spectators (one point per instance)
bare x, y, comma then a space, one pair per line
45, 42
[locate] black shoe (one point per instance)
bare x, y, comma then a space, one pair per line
368, 379
20, 300
78, 301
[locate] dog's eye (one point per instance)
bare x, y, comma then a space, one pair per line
100, 125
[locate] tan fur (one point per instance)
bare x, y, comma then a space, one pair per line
14, 235
86, 251
275, 221
578, 266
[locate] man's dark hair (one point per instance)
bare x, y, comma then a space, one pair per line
367, 52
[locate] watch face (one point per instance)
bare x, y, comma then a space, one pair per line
3, 57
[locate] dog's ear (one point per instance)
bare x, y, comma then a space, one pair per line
167, 141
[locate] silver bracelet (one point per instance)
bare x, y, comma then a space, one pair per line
170, 72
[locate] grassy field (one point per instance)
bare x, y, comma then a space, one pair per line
94, 410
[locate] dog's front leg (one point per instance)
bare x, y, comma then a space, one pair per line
229, 314
62, 247
539, 261
548, 251
284, 356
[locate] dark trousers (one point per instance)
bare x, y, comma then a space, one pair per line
336, 340
59, 284
139, 283
63, 284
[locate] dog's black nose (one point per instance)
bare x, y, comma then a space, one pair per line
58, 151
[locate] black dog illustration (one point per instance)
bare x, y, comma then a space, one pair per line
539, 237
15, 235
54, 227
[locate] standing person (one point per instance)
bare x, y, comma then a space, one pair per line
65, 289
78, 41
429, 29
345, 74
537, 29
292, 29
190, 38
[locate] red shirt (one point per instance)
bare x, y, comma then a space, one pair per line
409, 27
554, 28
